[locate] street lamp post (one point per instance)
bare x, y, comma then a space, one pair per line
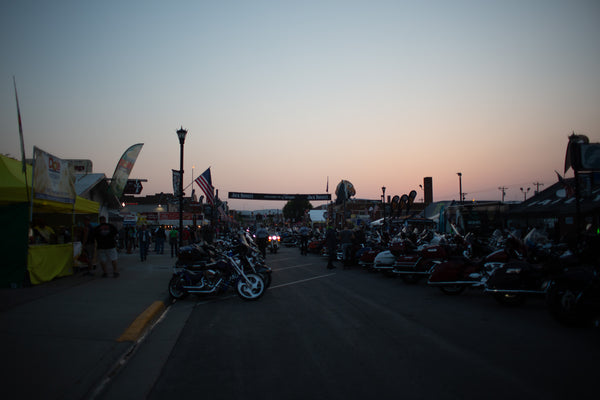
525, 191
460, 186
181, 135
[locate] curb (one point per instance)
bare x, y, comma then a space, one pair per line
139, 326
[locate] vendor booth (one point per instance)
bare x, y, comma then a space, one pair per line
29, 256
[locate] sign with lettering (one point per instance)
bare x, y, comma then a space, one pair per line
280, 197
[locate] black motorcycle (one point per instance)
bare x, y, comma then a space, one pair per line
573, 296
216, 278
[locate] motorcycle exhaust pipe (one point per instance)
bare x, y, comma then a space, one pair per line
473, 283
195, 289
410, 272
383, 267
191, 289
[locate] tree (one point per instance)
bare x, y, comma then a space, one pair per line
294, 209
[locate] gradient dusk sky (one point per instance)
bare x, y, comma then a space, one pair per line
278, 96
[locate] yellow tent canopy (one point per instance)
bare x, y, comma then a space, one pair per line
13, 190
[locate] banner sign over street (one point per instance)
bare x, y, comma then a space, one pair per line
284, 197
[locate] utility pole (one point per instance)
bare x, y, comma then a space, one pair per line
503, 190
537, 186
460, 192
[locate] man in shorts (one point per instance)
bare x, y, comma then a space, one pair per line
106, 245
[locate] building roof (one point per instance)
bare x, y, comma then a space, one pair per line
559, 199
85, 182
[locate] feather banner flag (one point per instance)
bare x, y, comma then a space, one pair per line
205, 183
123, 169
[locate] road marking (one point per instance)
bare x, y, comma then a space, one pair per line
286, 258
301, 281
293, 266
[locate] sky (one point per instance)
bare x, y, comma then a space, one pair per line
285, 96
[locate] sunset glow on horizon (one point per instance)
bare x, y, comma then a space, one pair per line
279, 97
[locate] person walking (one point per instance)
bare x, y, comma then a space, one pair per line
106, 243
261, 239
144, 238
304, 234
331, 243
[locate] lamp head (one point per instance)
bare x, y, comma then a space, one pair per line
181, 135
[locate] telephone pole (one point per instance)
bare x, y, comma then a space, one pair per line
503, 190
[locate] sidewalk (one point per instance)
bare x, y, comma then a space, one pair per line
58, 340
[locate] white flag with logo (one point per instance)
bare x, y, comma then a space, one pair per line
53, 178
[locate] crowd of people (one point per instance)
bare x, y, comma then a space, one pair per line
103, 242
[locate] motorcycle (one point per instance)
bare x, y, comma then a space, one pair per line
470, 270
274, 243
248, 254
574, 297
384, 260
415, 266
511, 283
216, 278
316, 245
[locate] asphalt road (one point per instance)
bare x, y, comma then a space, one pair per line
351, 334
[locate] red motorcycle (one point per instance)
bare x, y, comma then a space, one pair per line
416, 266
471, 270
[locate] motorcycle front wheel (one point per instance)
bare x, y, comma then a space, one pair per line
252, 289
176, 289
563, 305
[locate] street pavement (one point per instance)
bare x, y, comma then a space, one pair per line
62, 339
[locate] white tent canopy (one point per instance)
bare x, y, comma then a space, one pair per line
317, 215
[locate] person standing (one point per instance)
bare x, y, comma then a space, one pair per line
331, 243
106, 243
144, 238
160, 240
346, 239
173, 237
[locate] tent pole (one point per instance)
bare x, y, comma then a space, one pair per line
32, 181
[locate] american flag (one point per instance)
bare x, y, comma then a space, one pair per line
205, 183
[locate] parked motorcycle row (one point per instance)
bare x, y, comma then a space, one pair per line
505, 266
234, 262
